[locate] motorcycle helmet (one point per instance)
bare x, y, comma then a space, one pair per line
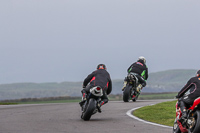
101, 66
198, 73
142, 58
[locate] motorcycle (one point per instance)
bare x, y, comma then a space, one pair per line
130, 91
90, 107
192, 123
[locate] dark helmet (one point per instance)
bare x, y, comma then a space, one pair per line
101, 66
198, 73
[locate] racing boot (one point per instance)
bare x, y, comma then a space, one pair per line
183, 118
133, 97
99, 106
83, 99
184, 113
139, 87
125, 82
183, 110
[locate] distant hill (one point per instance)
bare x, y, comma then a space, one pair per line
164, 81
169, 81
39, 90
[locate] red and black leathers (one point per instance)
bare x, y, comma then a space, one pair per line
194, 85
100, 78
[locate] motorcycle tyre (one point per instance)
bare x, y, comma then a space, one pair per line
126, 93
86, 115
197, 127
177, 130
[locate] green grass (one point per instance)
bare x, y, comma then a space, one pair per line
50, 101
2, 103
162, 113
157, 96
40, 102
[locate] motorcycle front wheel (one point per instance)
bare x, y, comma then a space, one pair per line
176, 128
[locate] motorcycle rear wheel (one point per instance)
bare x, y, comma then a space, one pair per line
88, 112
127, 93
196, 127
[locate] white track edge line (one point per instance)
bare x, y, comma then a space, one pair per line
129, 113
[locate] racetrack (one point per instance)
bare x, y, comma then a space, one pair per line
65, 118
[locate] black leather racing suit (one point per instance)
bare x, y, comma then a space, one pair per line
193, 88
99, 78
141, 69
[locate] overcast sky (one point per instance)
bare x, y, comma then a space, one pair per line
64, 40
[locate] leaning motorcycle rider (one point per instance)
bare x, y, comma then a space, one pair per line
101, 78
188, 94
141, 71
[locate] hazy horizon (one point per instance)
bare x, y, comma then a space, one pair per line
63, 40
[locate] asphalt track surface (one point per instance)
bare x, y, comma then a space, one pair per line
65, 118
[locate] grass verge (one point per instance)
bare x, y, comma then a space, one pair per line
162, 113
49, 101
145, 96
1, 103
64, 99
41, 100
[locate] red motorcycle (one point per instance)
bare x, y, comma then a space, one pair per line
192, 123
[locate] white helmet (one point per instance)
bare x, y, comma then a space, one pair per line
142, 58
